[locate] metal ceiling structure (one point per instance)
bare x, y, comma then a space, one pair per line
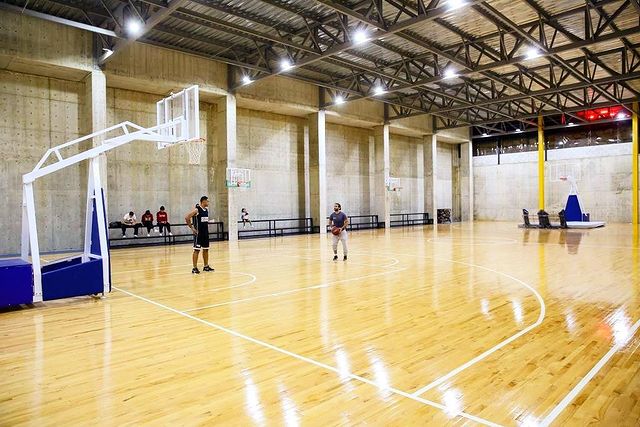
491, 64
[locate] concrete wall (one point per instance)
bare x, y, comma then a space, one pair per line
34, 46
348, 169
446, 153
37, 113
159, 71
272, 145
502, 191
404, 165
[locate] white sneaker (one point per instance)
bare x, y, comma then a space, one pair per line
170, 234
124, 236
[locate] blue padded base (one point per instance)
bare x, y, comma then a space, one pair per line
16, 282
72, 278
573, 212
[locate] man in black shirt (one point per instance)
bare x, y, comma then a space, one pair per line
198, 222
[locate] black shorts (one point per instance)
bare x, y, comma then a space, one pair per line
201, 240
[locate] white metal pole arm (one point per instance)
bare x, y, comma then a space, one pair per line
141, 134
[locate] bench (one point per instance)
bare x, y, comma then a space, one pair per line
181, 234
275, 227
360, 222
408, 219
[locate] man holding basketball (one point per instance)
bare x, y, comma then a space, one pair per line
198, 222
338, 221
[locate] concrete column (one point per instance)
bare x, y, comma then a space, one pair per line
383, 162
228, 211
372, 176
318, 169
431, 183
466, 172
307, 181
419, 202
96, 114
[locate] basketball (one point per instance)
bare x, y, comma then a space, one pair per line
335, 230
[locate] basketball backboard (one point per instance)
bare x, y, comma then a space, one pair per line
183, 109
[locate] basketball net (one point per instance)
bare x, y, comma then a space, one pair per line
195, 148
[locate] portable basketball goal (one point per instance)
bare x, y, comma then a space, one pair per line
90, 272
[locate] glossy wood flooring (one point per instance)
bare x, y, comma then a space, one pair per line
470, 324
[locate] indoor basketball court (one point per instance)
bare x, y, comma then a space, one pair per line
320, 212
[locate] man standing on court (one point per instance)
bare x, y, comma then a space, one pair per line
338, 221
198, 222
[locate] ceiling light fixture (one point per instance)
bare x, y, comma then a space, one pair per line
285, 64
379, 90
360, 36
532, 53
246, 80
134, 27
450, 74
338, 100
455, 4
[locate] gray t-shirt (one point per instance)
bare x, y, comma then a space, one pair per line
338, 219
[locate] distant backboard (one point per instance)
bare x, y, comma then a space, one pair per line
393, 184
563, 169
183, 109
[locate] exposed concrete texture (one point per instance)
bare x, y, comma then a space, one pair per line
604, 186
362, 113
226, 142
348, 169
404, 165
444, 185
383, 170
466, 181
272, 146
34, 46
142, 177
502, 191
159, 71
416, 126
430, 151
455, 136
279, 95
318, 168
456, 193
37, 113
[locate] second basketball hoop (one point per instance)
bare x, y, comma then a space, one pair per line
238, 178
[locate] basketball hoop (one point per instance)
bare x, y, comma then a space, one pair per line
195, 148
238, 178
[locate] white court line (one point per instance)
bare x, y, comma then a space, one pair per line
586, 379
182, 273
498, 346
309, 360
293, 291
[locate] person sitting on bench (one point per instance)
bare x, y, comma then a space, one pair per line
130, 221
147, 221
163, 220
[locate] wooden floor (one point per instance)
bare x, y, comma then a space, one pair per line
466, 325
